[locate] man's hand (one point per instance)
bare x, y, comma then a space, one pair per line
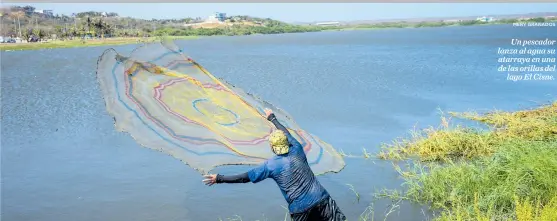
210, 179
268, 112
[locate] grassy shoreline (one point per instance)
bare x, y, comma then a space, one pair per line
432, 25
135, 40
505, 173
84, 43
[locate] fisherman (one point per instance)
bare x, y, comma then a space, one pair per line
307, 198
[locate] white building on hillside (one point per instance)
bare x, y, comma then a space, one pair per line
485, 19
44, 12
217, 17
328, 23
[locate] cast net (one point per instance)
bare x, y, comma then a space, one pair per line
168, 102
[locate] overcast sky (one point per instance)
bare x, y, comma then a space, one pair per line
298, 12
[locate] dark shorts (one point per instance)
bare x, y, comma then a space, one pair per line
325, 210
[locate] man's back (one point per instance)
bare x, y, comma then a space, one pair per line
307, 199
294, 177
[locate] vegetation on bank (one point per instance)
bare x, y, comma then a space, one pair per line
91, 27
505, 173
23, 22
403, 24
84, 43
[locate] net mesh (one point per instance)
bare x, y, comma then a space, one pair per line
168, 102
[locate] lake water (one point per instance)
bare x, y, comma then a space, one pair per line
62, 159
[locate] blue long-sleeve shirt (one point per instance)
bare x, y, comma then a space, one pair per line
291, 172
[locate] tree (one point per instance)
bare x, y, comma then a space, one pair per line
29, 10
88, 21
35, 32
59, 31
27, 34
538, 19
18, 15
40, 33
2, 15
101, 27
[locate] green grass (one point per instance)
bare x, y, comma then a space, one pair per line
83, 43
448, 143
355, 193
468, 174
525, 210
369, 212
431, 24
441, 144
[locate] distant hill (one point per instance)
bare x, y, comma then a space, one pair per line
430, 19
25, 21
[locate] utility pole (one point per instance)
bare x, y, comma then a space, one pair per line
75, 21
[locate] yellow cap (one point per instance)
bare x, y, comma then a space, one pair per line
279, 142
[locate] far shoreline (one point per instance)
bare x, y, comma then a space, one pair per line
54, 44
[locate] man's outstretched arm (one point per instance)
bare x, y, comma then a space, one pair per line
239, 178
218, 178
271, 117
255, 175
